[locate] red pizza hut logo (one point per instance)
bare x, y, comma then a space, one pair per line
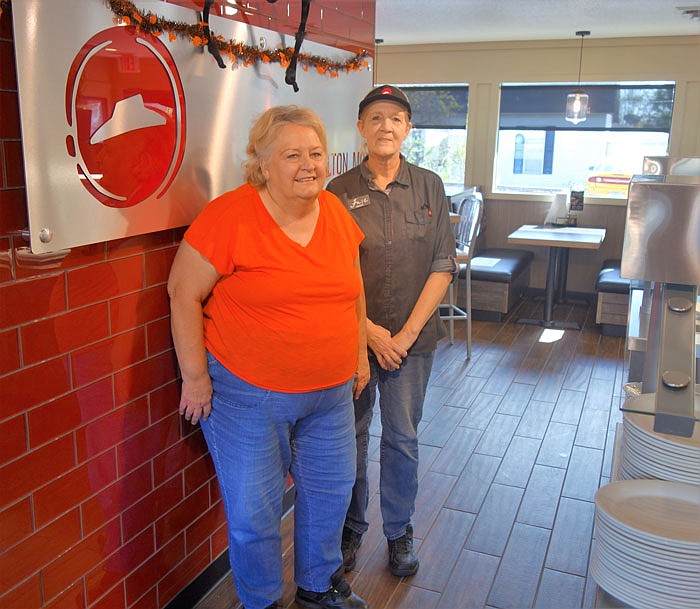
125, 107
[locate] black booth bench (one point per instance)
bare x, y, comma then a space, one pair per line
499, 276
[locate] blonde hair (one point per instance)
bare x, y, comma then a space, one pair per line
264, 131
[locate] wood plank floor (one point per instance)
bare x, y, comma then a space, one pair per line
513, 446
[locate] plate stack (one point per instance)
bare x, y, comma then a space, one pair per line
647, 548
645, 453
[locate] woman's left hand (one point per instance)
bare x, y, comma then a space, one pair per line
361, 376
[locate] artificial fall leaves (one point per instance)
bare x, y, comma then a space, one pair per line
125, 12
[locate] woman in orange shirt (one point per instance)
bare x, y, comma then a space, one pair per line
268, 321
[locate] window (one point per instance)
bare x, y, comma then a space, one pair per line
538, 151
438, 140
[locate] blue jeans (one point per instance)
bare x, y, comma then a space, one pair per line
255, 438
401, 397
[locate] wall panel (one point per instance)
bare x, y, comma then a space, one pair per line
109, 500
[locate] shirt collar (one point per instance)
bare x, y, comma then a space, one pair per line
402, 177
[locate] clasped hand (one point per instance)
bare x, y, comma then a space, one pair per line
389, 350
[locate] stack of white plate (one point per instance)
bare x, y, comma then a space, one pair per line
647, 548
645, 453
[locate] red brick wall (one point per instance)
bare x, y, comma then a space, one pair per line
108, 499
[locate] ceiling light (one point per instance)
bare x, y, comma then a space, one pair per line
577, 102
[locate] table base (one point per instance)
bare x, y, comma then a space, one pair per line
559, 240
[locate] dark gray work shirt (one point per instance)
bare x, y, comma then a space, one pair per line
408, 236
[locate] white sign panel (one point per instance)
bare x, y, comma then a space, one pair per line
127, 133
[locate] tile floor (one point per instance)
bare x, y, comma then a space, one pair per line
513, 446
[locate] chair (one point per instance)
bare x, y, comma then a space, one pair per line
470, 212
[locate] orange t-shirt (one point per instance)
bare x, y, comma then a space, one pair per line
282, 316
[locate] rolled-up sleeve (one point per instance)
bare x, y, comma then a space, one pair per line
444, 251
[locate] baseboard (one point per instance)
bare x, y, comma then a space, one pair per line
212, 575
202, 585
483, 315
613, 330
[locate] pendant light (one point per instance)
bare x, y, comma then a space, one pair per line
577, 102
375, 63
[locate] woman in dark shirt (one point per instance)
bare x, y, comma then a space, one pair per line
407, 262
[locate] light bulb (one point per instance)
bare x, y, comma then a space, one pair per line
577, 104
576, 107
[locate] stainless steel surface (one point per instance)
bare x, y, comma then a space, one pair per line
638, 322
650, 368
219, 107
675, 393
675, 379
661, 257
662, 230
671, 165
680, 305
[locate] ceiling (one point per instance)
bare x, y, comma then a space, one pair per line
438, 21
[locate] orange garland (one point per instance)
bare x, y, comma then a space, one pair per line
126, 12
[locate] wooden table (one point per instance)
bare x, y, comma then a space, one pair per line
559, 239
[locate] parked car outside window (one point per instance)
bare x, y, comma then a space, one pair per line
610, 179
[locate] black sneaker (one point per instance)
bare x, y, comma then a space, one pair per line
351, 542
340, 596
402, 558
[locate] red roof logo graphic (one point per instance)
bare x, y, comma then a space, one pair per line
125, 107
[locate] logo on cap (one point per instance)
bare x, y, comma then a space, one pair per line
387, 91
125, 107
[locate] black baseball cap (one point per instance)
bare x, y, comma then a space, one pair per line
385, 93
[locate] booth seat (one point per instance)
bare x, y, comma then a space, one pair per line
613, 298
499, 276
